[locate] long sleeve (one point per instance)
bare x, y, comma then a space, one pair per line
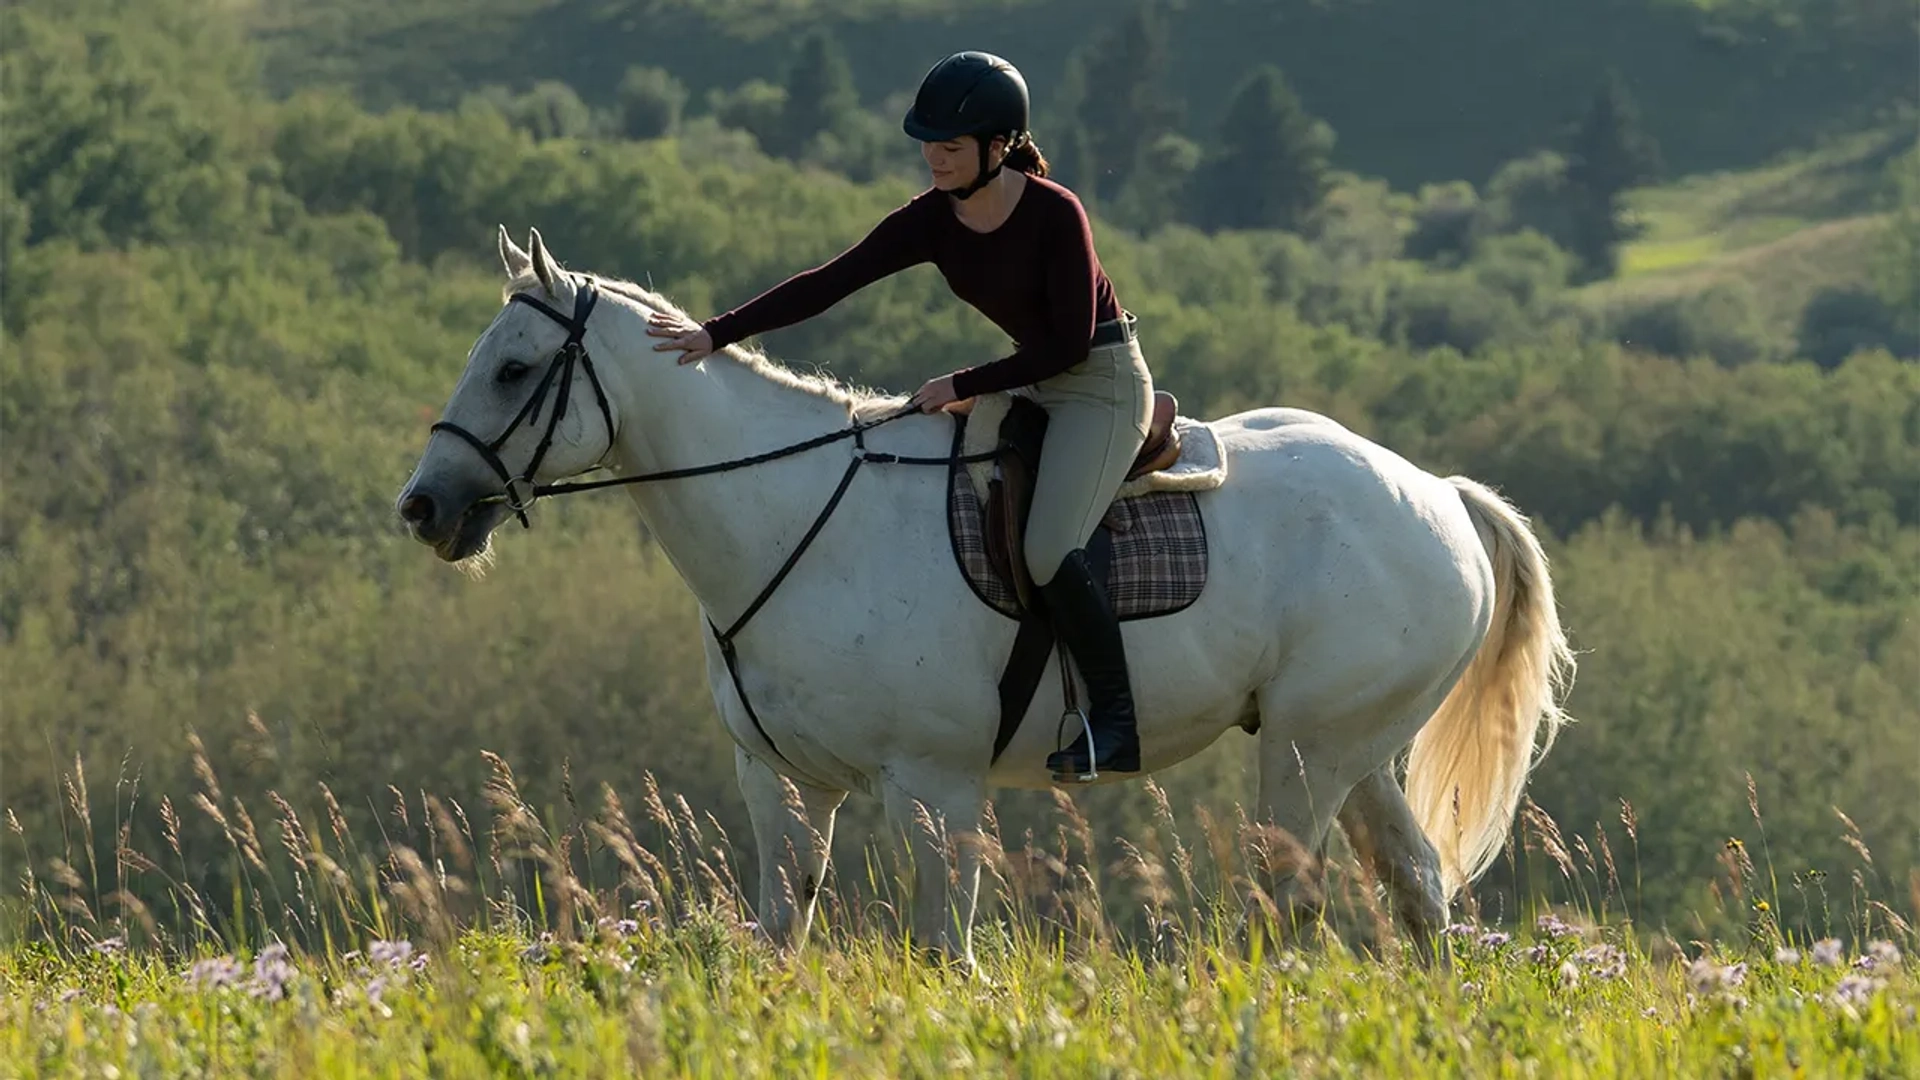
896, 243
1072, 290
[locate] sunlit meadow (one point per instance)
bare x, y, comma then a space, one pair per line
617, 943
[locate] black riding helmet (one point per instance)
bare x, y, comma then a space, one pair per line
970, 93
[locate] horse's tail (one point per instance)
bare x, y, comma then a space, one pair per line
1470, 762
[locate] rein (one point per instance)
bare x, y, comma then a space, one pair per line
573, 352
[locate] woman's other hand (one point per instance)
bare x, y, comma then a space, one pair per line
693, 341
934, 395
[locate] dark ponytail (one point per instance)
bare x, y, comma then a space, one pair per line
1026, 157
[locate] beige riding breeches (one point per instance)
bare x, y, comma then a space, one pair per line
1098, 413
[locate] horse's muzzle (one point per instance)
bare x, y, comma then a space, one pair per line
454, 528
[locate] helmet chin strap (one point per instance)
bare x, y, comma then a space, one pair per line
986, 175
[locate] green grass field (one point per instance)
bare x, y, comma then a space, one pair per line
700, 998
617, 946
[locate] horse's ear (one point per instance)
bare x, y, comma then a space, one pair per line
513, 256
543, 264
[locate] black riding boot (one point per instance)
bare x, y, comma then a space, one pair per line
1086, 625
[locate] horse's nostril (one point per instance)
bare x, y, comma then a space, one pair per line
417, 510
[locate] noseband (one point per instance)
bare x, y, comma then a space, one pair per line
521, 491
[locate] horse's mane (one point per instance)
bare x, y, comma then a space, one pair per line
859, 401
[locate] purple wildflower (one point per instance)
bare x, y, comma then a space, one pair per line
215, 972
1604, 961
1786, 955
109, 946
1539, 954
375, 987
1705, 976
1459, 929
1555, 927
1855, 990
627, 927
1884, 953
419, 962
390, 953
1827, 952
1494, 939
271, 973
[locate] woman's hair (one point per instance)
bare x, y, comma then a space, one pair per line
1025, 156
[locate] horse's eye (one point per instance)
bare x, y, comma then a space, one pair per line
511, 372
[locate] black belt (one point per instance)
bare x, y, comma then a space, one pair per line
1115, 331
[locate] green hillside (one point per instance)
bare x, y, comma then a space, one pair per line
1417, 91
1788, 230
229, 317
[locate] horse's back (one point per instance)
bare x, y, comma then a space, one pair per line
1300, 449
1341, 512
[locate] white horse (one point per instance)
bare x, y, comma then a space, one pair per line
1356, 606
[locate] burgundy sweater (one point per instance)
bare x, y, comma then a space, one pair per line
1036, 277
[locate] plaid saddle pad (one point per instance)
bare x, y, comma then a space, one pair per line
1159, 562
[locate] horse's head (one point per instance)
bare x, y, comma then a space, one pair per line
528, 409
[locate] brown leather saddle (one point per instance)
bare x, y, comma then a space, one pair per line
1010, 494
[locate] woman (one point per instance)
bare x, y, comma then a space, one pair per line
1017, 247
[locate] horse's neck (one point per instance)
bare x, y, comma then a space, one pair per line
726, 532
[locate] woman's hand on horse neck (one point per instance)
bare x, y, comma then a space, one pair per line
693, 341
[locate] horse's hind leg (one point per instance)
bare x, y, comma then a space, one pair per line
1301, 788
1319, 738
1381, 828
793, 834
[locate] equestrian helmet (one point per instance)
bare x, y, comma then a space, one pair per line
969, 93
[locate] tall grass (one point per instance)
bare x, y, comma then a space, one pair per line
584, 941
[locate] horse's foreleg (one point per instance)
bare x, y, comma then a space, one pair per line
1381, 827
935, 822
793, 833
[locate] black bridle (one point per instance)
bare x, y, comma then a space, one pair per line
574, 352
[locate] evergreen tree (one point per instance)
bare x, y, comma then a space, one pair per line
1269, 169
1608, 154
1121, 101
1896, 270
651, 100
820, 94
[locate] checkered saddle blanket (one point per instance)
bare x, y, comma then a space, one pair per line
1158, 565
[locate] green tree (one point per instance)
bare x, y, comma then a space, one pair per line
820, 94
756, 107
1121, 98
547, 110
1897, 273
1156, 193
1608, 154
650, 101
1269, 169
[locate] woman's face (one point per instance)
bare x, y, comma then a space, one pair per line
955, 162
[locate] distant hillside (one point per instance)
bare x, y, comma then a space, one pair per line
1788, 230
1416, 91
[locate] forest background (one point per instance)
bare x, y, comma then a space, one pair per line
1649, 266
